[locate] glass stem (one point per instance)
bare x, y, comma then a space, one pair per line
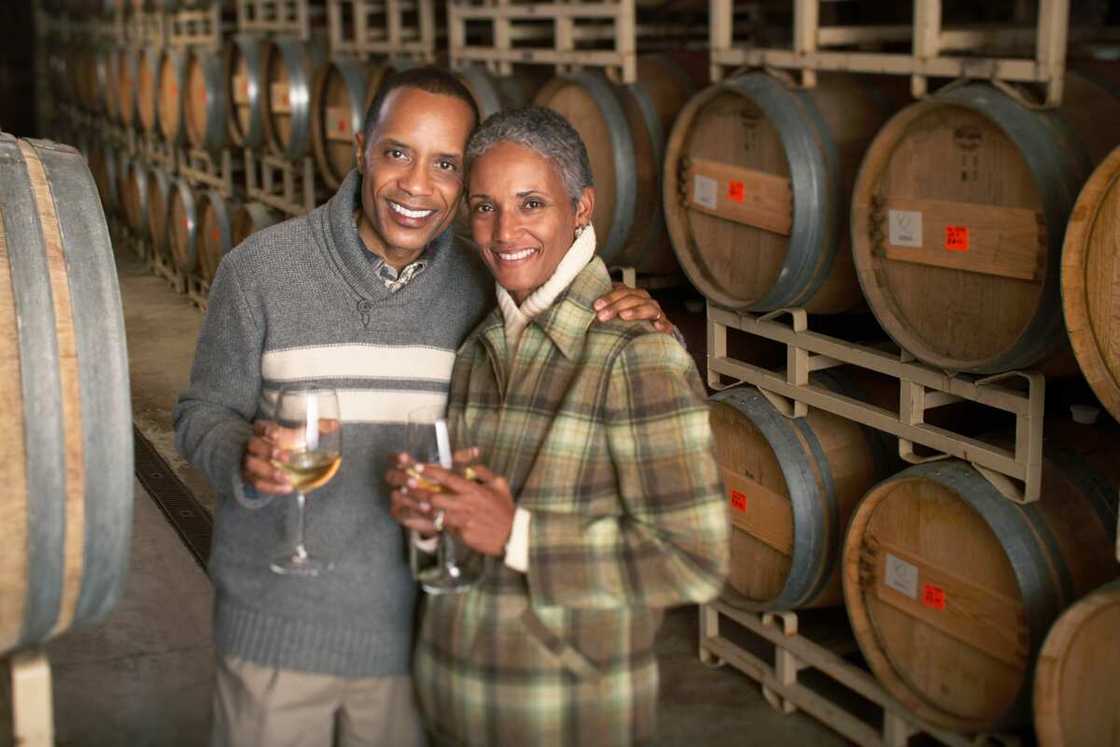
300, 551
447, 553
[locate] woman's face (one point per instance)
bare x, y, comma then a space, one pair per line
522, 217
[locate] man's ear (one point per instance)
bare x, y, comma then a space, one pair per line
360, 151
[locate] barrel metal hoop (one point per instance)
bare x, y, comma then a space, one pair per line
812, 235
801, 484
216, 133
178, 60
251, 50
813, 584
1101, 494
622, 148
140, 176
658, 138
106, 409
482, 86
190, 213
300, 58
1059, 167
40, 385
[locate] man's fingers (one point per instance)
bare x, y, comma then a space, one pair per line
465, 457
435, 473
261, 448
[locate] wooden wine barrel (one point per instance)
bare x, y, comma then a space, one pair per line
340, 95
623, 128
1075, 698
1091, 282
182, 226
126, 83
134, 196
246, 98
67, 426
757, 176
792, 483
289, 67
105, 96
207, 122
147, 88
159, 200
958, 217
951, 587
103, 166
172, 85
495, 93
249, 218
215, 231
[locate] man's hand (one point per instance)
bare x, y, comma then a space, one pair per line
480, 511
409, 503
267, 444
628, 303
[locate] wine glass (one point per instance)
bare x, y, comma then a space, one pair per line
457, 567
311, 434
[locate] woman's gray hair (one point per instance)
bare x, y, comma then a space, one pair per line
542, 131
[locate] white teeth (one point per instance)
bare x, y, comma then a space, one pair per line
410, 213
514, 256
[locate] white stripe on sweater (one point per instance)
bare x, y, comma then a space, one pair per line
373, 405
358, 362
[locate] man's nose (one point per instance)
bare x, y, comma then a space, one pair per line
415, 180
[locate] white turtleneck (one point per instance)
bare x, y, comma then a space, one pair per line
516, 317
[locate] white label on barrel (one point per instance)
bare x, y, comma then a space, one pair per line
901, 576
704, 191
905, 228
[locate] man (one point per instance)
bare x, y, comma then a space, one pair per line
366, 294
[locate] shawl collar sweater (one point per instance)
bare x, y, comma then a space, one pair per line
301, 302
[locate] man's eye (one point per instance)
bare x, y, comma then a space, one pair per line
394, 153
448, 165
483, 207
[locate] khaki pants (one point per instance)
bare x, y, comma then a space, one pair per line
257, 706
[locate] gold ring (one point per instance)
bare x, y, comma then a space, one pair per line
438, 521
470, 474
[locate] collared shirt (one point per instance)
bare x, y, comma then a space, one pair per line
393, 278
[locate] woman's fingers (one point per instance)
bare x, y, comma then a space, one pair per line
464, 458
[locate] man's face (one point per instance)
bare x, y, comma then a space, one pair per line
412, 169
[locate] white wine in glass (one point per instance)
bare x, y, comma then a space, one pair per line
310, 434
457, 567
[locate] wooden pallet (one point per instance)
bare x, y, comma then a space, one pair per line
280, 17
166, 269
198, 167
397, 29
150, 28
633, 279
795, 653
816, 48
198, 292
198, 28
1016, 473
288, 187
157, 152
507, 28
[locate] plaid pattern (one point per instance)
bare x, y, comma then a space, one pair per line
602, 431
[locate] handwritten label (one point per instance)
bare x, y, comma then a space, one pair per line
738, 500
956, 238
736, 191
704, 191
901, 576
933, 597
904, 228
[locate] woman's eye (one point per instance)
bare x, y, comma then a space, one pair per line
483, 207
533, 204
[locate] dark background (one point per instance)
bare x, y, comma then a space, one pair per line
17, 71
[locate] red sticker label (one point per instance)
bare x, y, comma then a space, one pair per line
956, 238
736, 191
342, 125
933, 597
738, 501
214, 235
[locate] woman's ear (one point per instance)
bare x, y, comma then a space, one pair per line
585, 206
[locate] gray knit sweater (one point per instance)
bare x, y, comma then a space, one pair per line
300, 302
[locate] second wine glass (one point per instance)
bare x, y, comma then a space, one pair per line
457, 567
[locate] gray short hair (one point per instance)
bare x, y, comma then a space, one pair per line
544, 132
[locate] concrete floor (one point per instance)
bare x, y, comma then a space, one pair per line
143, 676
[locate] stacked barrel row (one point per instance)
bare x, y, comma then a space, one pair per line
957, 221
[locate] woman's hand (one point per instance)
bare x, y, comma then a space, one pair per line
409, 503
480, 511
632, 303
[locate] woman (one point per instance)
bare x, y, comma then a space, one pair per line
597, 499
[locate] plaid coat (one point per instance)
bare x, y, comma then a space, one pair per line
602, 431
